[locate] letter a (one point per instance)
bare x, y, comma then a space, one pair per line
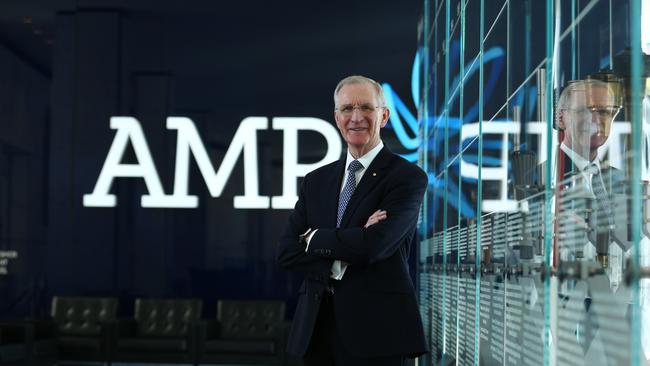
128, 129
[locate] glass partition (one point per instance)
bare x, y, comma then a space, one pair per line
535, 128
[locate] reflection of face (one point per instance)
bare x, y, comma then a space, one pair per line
360, 129
587, 119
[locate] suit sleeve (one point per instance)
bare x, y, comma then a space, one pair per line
291, 253
359, 245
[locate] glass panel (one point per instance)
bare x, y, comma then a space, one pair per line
539, 141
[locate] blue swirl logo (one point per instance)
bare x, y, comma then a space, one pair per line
408, 127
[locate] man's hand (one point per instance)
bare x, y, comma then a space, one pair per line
375, 218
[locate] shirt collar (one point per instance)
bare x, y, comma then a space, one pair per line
580, 162
367, 159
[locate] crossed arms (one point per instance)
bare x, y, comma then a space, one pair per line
379, 238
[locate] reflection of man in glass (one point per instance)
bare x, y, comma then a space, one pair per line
585, 112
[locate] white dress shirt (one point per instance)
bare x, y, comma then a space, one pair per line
338, 267
583, 166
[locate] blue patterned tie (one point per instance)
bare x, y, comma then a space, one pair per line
348, 189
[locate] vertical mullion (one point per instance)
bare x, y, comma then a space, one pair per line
635, 42
548, 193
460, 158
434, 132
611, 46
479, 205
424, 112
573, 41
505, 282
424, 153
426, 70
446, 184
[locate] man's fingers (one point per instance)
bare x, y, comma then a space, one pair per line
376, 217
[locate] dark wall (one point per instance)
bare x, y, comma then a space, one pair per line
24, 197
215, 65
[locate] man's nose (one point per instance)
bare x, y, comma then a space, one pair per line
357, 115
595, 116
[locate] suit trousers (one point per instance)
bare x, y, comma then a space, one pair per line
326, 348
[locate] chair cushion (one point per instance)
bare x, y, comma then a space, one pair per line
152, 344
250, 320
81, 315
235, 346
166, 317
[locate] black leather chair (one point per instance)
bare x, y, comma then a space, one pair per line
164, 330
83, 327
245, 332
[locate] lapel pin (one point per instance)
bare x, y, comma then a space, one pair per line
374, 174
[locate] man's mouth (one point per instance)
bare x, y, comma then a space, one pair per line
358, 129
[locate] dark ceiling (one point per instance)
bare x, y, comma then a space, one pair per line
254, 57
270, 29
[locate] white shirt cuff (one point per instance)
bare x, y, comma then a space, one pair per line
308, 238
338, 267
338, 270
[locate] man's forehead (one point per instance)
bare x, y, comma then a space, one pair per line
593, 95
356, 92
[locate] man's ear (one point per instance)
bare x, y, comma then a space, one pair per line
385, 115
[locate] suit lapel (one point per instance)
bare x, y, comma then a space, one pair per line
371, 177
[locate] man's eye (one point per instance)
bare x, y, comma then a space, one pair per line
606, 112
347, 108
367, 108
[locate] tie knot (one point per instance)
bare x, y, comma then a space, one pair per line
355, 165
593, 169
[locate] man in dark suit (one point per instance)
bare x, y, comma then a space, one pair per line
351, 233
586, 109
591, 205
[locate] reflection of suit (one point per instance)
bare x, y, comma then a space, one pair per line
575, 173
375, 306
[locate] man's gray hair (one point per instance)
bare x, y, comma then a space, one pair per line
580, 86
574, 87
358, 79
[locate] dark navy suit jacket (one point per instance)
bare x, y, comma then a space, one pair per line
375, 306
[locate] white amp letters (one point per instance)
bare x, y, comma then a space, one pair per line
189, 142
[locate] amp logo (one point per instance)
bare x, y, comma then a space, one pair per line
189, 144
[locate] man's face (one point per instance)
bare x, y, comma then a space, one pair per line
588, 119
358, 116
